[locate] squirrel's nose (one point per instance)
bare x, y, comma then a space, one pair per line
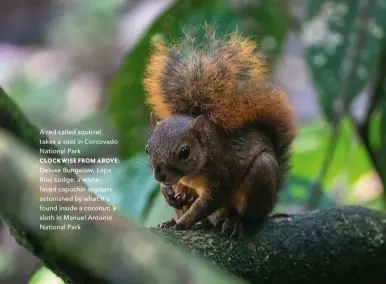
158, 173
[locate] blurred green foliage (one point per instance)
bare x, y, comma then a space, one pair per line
382, 130
43, 276
331, 30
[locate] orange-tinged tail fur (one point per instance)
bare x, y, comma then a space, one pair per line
224, 79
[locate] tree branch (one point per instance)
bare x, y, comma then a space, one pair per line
340, 245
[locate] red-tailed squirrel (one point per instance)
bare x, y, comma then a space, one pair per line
221, 132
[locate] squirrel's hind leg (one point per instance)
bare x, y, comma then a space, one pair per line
257, 194
234, 225
228, 220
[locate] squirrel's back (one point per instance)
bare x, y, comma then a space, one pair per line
224, 79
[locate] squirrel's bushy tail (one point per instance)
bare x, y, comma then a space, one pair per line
224, 79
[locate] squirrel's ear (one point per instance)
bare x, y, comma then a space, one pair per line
153, 119
198, 124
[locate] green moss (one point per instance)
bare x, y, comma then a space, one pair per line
347, 243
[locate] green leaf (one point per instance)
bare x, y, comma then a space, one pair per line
351, 159
374, 133
329, 32
311, 145
382, 130
297, 191
42, 101
126, 94
45, 276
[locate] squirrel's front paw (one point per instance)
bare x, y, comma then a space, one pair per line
167, 224
168, 194
183, 199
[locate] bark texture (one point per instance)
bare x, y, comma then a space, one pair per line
346, 245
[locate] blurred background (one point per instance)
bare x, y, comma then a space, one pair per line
79, 64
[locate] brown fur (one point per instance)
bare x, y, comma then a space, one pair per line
199, 183
156, 66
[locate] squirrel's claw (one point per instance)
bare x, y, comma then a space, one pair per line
167, 224
168, 194
235, 226
183, 199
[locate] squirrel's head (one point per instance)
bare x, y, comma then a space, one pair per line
175, 148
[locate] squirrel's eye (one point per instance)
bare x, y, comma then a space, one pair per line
184, 153
147, 149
